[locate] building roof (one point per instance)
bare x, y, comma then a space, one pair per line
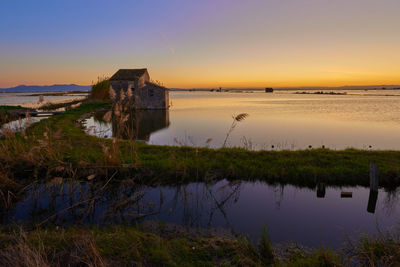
156, 85
127, 74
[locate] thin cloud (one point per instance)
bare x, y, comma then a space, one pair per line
168, 43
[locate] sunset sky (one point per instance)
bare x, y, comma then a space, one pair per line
207, 43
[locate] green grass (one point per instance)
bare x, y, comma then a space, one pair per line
123, 246
134, 246
6, 108
66, 144
319, 257
59, 93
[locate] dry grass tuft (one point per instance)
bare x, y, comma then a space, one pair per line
21, 253
87, 252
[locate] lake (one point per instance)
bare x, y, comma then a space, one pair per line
281, 120
276, 121
31, 99
291, 214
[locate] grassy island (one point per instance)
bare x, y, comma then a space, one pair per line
58, 145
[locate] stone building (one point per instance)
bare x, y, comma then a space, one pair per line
143, 93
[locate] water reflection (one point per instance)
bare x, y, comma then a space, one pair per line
140, 124
19, 125
133, 125
281, 121
290, 213
321, 190
373, 197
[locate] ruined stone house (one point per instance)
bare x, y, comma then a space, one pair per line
139, 91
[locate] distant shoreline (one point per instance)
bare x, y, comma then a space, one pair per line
57, 88
342, 88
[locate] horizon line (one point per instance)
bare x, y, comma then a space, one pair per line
226, 87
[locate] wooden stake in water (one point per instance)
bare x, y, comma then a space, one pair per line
373, 177
346, 194
373, 197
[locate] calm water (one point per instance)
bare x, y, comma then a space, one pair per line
31, 99
290, 213
19, 125
284, 120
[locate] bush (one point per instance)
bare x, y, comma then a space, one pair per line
100, 90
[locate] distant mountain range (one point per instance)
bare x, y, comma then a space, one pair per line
45, 88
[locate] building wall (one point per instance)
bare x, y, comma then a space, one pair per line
145, 96
151, 97
117, 86
143, 79
166, 93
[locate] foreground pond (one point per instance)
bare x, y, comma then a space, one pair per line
302, 215
19, 125
282, 120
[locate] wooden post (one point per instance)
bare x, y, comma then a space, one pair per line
373, 177
346, 194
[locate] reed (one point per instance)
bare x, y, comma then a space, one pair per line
236, 119
381, 249
100, 90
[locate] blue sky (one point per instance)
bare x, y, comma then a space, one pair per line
201, 43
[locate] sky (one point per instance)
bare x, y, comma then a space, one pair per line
207, 43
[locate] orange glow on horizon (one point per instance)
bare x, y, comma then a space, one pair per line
204, 44
187, 82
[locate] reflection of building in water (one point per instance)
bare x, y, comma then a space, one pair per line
139, 124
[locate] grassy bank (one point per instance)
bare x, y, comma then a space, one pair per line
6, 108
9, 113
59, 93
58, 146
132, 246
53, 106
123, 246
